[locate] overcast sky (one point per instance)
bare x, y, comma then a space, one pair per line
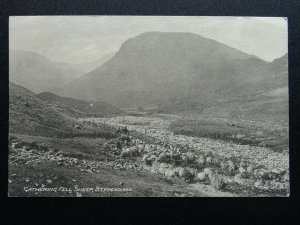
76, 39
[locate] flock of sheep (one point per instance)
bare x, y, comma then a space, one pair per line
184, 163
181, 157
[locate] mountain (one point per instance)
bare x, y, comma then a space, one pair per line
82, 106
269, 103
181, 71
38, 73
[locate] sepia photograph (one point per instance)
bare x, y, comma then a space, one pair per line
148, 106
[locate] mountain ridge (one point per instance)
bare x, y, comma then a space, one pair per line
37, 72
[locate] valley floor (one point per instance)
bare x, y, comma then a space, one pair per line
148, 160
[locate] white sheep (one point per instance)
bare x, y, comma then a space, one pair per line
201, 176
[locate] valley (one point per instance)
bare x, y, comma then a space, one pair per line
170, 114
149, 159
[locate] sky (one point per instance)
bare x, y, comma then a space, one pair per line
80, 39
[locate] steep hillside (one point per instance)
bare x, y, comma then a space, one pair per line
179, 71
30, 115
38, 73
83, 106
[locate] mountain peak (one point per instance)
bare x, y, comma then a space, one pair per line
166, 67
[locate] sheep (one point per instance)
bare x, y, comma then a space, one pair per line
217, 181
147, 148
162, 157
129, 152
243, 164
242, 170
185, 174
238, 179
250, 169
286, 177
201, 160
77, 126
208, 159
256, 172
192, 171
152, 157
208, 172
155, 167
145, 157
216, 160
231, 166
170, 173
184, 158
201, 176
163, 167
175, 156
190, 156
223, 166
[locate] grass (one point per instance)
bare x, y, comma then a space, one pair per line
142, 184
238, 132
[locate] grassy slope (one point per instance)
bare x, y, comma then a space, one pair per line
102, 108
260, 119
30, 115
238, 131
